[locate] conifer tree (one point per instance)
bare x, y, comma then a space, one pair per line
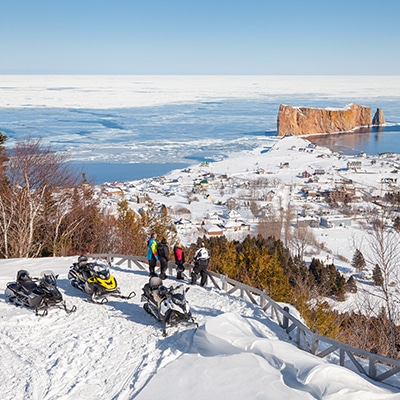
321, 319
275, 281
377, 276
130, 232
351, 285
358, 261
223, 257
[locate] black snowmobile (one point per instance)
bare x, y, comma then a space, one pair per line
37, 293
167, 305
93, 277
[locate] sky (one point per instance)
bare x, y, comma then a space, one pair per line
208, 37
117, 351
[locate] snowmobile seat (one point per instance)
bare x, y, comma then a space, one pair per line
152, 289
25, 281
155, 282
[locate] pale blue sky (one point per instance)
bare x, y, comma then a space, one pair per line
228, 37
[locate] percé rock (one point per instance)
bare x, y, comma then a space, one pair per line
379, 118
307, 120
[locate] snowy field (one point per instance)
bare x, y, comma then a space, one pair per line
116, 350
116, 91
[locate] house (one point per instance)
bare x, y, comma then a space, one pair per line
213, 218
231, 214
113, 191
335, 221
233, 221
341, 194
231, 203
235, 226
354, 165
211, 230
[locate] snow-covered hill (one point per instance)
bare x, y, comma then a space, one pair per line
117, 351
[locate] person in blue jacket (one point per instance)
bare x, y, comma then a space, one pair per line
152, 254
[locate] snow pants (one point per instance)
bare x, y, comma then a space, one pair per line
152, 266
199, 269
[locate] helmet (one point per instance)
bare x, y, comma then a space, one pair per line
24, 276
162, 290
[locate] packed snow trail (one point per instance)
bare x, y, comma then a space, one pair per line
117, 351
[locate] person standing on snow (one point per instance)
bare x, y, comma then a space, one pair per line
152, 254
163, 256
200, 259
179, 260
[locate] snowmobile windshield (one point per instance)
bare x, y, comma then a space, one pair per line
48, 276
101, 270
178, 299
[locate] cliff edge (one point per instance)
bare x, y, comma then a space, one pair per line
305, 120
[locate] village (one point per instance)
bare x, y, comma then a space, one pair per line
329, 193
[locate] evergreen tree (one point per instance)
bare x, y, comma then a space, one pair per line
358, 261
323, 320
223, 257
275, 281
351, 285
340, 286
377, 276
129, 231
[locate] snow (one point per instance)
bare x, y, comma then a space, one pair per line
116, 350
115, 91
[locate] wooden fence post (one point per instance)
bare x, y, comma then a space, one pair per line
262, 300
372, 365
224, 282
285, 321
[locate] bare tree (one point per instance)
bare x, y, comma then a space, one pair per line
301, 238
384, 252
270, 226
34, 173
288, 215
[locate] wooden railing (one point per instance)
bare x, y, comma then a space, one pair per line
373, 365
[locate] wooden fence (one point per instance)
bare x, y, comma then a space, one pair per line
373, 365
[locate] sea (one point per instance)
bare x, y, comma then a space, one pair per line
113, 141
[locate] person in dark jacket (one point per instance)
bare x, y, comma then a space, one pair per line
200, 259
152, 255
163, 256
179, 260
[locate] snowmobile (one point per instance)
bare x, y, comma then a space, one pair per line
94, 278
37, 293
167, 305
